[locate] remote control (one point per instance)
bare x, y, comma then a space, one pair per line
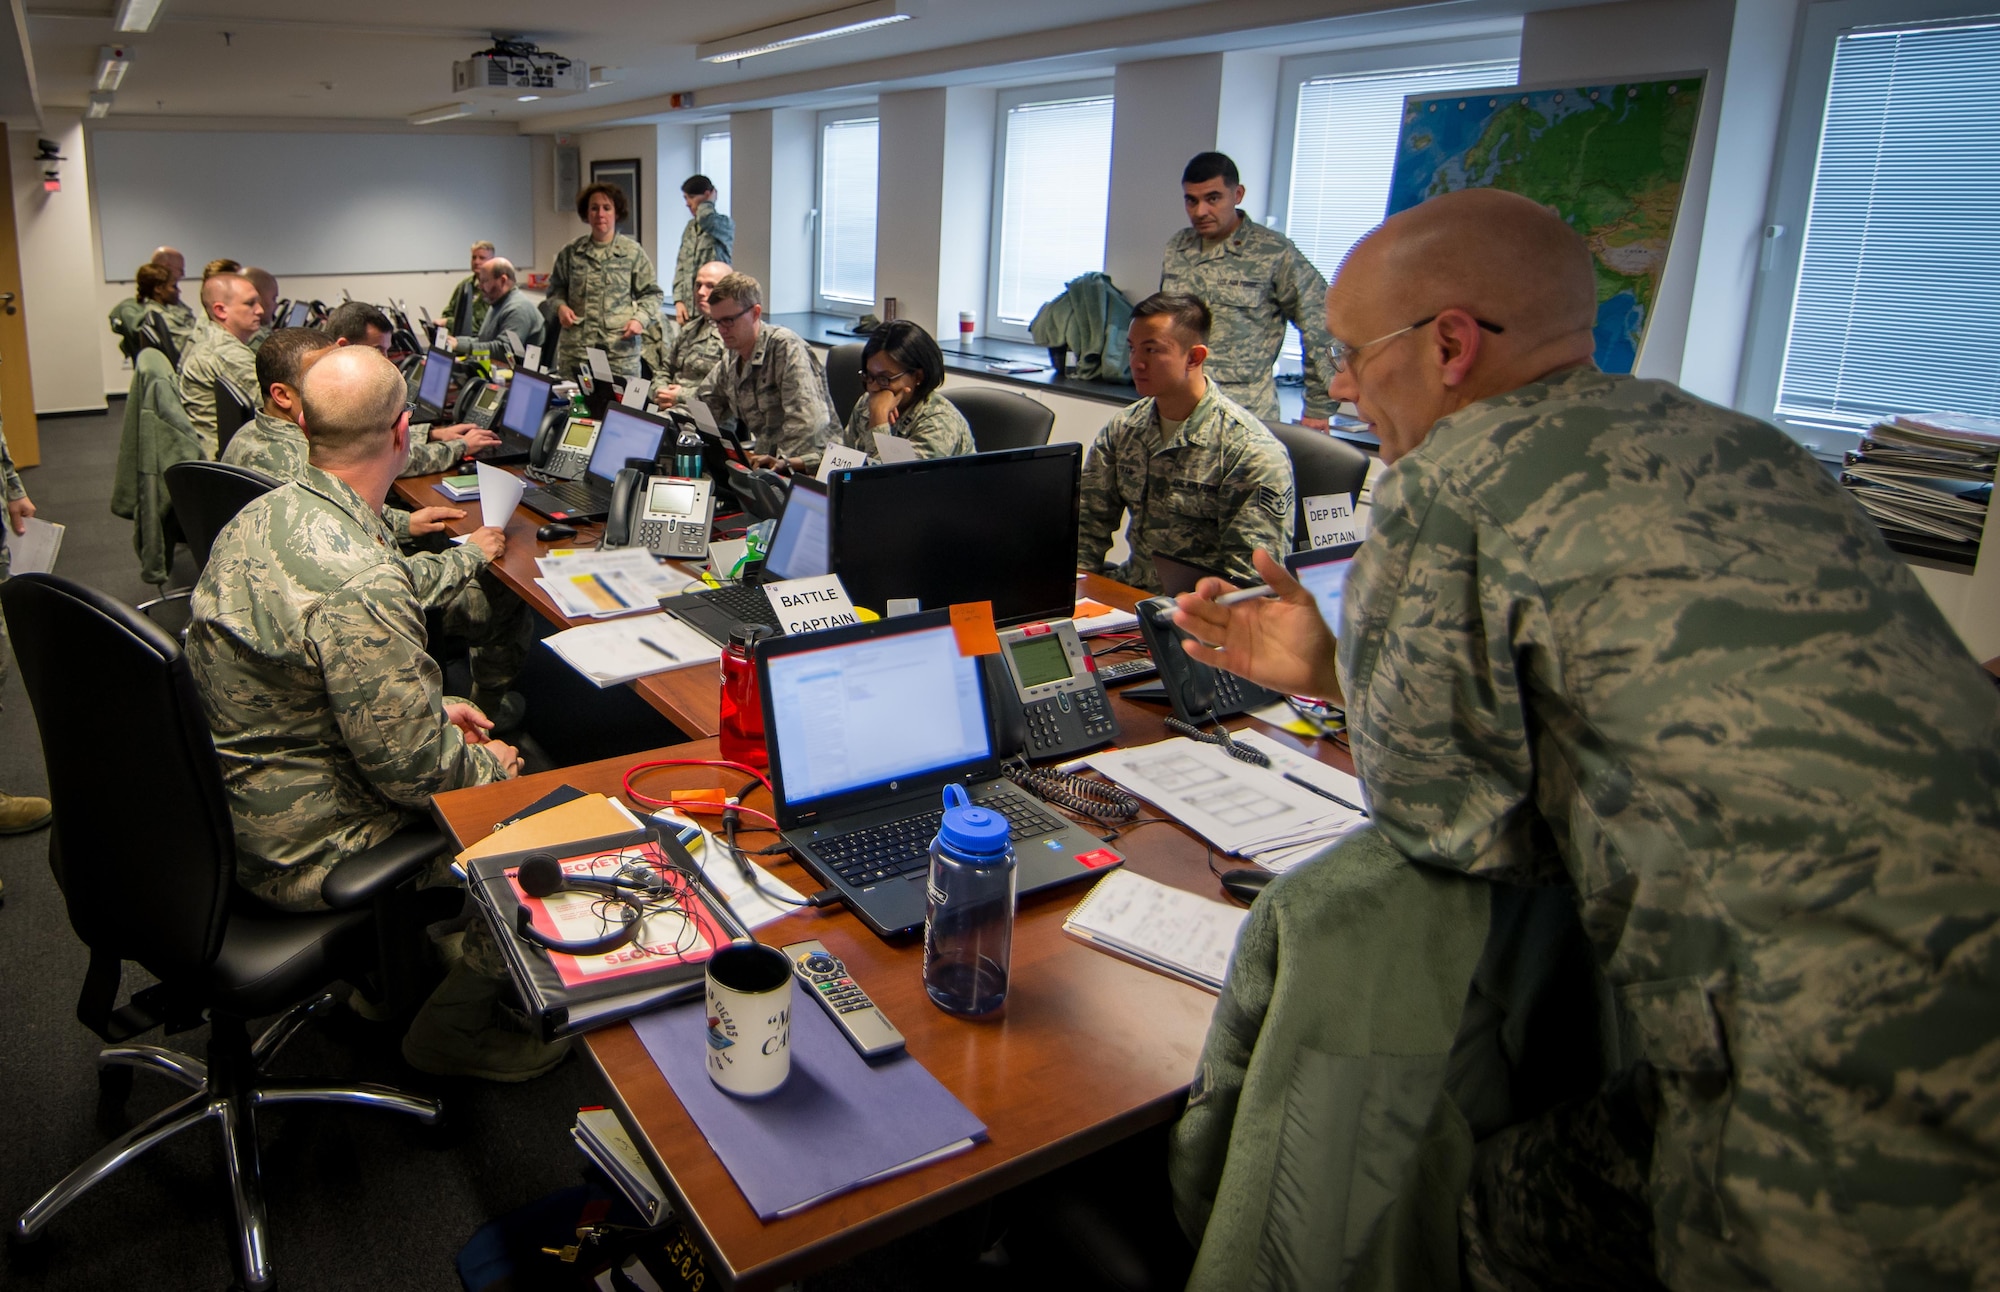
1130, 670
826, 977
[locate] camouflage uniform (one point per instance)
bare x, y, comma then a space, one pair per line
934, 427
708, 236
1253, 282
181, 324
257, 338
14, 490
214, 353
608, 284
477, 607
468, 288
692, 354
778, 399
1217, 491
307, 645
1603, 631
429, 456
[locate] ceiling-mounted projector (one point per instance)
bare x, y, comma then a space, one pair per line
517, 67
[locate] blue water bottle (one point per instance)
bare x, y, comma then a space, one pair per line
969, 931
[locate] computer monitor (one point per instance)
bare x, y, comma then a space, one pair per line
997, 527
799, 546
435, 383
527, 400
625, 433
297, 315
1324, 574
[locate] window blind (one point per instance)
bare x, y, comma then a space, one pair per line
1897, 290
1344, 150
1055, 190
715, 165
847, 211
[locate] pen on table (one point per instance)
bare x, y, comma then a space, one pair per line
648, 641
1303, 783
1245, 594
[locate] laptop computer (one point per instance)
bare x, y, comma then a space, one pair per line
625, 433
1324, 574
798, 551
434, 387
520, 417
866, 726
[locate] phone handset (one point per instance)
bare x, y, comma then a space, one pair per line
1198, 693
628, 495
667, 515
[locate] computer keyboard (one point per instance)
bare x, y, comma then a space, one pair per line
745, 605
898, 848
573, 494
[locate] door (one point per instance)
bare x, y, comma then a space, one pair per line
17, 392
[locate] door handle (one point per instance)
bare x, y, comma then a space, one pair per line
6, 302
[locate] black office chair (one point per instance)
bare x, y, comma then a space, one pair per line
843, 379
1321, 464
207, 496
155, 882
1003, 419
232, 409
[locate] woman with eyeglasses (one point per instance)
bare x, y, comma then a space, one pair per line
603, 287
901, 370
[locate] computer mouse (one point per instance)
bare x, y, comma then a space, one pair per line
554, 530
1245, 884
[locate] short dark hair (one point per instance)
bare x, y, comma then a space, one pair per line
351, 320
1207, 166
222, 266
283, 354
1190, 316
152, 280
913, 349
612, 191
739, 287
695, 185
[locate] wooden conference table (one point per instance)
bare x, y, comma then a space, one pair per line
1088, 1050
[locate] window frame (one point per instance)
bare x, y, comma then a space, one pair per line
723, 183
834, 116
1005, 101
1790, 199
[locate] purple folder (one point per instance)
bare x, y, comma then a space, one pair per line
838, 1121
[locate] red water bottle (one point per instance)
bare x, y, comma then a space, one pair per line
742, 706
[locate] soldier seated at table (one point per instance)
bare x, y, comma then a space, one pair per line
1203, 479
432, 448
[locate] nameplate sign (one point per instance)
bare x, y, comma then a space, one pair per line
600, 363
839, 457
809, 605
1335, 518
513, 343
635, 392
533, 359
443, 339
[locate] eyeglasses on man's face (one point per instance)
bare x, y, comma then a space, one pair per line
1340, 355
725, 320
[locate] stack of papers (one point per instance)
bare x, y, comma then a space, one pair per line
1929, 477
602, 585
1250, 812
35, 551
1177, 933
622, 649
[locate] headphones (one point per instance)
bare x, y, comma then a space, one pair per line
541, 875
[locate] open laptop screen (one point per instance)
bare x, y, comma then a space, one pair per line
868, 712
436, 381
798, 548
1324, 574
527, 400
624, 434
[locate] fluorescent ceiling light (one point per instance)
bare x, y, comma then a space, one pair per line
100, 106
526, 98
137, 15
442, 112
113, 61
788, 35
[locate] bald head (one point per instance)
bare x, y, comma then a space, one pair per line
170, 258
705, 279
354, 398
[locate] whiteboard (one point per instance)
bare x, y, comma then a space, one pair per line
309, 203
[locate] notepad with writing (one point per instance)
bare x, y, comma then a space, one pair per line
1165, 929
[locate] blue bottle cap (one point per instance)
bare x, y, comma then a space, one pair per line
973, 831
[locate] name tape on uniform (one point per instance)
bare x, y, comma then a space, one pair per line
808, 605
838, 457
1335, 518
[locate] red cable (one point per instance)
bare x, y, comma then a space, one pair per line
693, 805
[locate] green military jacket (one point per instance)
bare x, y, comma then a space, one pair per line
214, 353
934, 427
466, 299
126, 315
307, 645
1093, 319
1254, 282
710, 235
778, 398
608, 284
181, 324
692, 354
279, 449
429, 456
1215, 492
1603, 633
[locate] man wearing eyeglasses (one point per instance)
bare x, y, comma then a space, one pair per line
1254, 282
768, 379
1608, 636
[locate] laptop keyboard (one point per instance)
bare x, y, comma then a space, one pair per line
574, 495
898, 848
745, 606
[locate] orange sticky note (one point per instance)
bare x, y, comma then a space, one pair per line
972, 622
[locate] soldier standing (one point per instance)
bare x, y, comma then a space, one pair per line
1253, 281
603, 287
1204, 480
709, 235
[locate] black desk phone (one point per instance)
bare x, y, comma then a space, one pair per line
1200, 694
485, 405
562, 448
1057, 705
667, 515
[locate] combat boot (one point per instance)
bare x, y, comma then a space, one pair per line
20, 813
462, 1031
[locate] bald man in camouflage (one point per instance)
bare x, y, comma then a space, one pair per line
1606, 635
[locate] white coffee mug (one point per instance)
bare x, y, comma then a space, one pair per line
749, 1018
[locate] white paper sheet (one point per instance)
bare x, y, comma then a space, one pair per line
894, 448
838, 457
634, 395
35, 551
1239, 808
600, 363
618, 651
1185, 934
533, 358
499, 494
